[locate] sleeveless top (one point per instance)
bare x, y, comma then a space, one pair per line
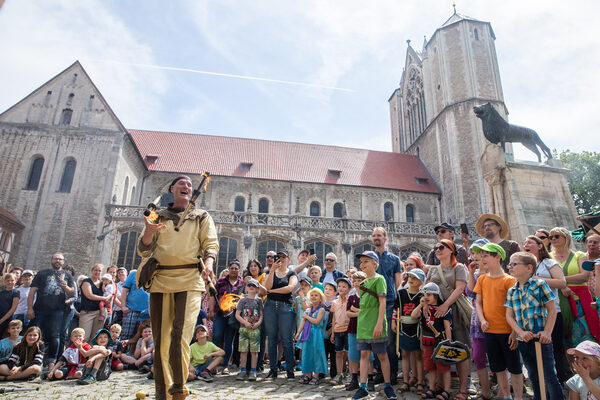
87, 304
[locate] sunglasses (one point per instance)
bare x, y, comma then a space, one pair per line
270, 256
442, 230
555, 237
543, 237
330, 259
439, 248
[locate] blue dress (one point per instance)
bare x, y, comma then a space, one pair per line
314, 358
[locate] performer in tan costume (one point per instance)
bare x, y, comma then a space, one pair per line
176, 284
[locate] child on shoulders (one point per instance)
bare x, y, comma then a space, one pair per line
109, 288
205, 356
586, 383
72, 361
7, 344
26, 359
310, 339
249, 313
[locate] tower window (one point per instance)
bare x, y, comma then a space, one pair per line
35, 174
65, 117
91, 101
476, 34
388, 211
70, 99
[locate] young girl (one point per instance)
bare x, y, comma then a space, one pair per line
310, 338
26, 359
586, 364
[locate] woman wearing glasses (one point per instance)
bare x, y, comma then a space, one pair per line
580, 321
551, 272
544, 235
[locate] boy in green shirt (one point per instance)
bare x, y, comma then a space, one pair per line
205, 356
371, 334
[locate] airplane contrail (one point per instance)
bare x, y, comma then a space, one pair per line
247, 77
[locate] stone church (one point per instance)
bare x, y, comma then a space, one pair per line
76, 180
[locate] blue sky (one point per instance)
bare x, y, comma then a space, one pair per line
350, 52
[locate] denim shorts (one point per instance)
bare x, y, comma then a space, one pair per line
353, 353
341, 341
201, 367
375, 347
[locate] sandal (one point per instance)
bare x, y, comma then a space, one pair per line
482, 397
314, 381
460, 396
428, 394
304, 379
444, 395
421, 388
412, 381
405, 387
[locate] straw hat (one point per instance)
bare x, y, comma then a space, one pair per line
504, 233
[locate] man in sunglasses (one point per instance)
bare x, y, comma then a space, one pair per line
330, 274
495, 229
269, 261
446, 231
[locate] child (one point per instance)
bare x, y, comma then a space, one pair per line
371, 333
433, 331
352, 308
586, 364
9, 300
7, 344
531, 312
500, 341
310, 339
110, 289
339, 325
406, 302
205, 356
71, 362
97, 366
249, 313
25, 362
314, 273
302, 302
21, 311
116, 348
143, 350
330, 294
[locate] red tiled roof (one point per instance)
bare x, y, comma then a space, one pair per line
284, 161
11, 219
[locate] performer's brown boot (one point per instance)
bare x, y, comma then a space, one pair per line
179, 396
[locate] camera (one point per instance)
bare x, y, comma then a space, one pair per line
276, 258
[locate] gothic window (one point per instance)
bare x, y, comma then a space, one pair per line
240, 204
415, 104
125, 190
338, 210
128, 256
35, 173
360, 250
263, 208
66, 181
227, 253
70, 99
388, 211
266, 246
315, 209
321, 249
405, 252
132, 199
65, 117
410, 213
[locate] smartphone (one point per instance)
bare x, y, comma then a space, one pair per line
464, 229
311, 251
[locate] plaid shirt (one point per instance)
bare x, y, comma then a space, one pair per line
528, 303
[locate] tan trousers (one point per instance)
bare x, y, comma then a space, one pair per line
173, 317
88, 321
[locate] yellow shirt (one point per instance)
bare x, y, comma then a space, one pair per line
169, 247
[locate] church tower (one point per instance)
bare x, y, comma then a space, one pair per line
432, 111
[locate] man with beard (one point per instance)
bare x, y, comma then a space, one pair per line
53, 287
495, 229
176, 285
446, 231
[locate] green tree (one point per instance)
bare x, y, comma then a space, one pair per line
584, 180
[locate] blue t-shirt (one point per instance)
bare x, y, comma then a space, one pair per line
6, 348
389, 266
201, 316
137, 299
6, 300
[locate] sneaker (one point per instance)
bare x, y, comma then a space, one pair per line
291, 375
206, 376
389, 392
150, 375
337, 380
86, 380
241, 376
252, 376
360, 394
272, 374
370, 385
353, 385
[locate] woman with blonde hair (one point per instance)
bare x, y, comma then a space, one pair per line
91, 296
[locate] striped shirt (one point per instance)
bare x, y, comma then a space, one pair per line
528, 303
19, 358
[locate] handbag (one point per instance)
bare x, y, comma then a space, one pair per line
465, 308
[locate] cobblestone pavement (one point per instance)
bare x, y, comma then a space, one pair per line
125, 385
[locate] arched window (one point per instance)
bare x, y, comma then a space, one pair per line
240, 204
125, 190
266, 246
405, 252
360, 250
70, 99
410, 213
65, 117
35, 173
388, 211
128, 256
227, 252
66, 181
132, 198
166, 198
315, 209
338, 210
321, 249
263, 208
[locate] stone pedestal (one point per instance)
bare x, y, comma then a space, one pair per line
528, 195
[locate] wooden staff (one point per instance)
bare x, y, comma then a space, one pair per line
540, 367
398, 332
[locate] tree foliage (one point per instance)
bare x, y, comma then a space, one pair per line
584, 180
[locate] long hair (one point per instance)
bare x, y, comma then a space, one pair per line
567, 234
543, 252
22, 349
255, 261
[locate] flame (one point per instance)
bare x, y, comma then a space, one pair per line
228, 301
153, 216
207, 176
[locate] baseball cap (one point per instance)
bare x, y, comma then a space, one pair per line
304, 251
284, 252
444, 225
433, 289
586, 347
253, 282
479, 242
203, 327
333, 284
27, 271
587, 265
491, 248
306, 279
369, 253
107, 276
417, 273
345, 280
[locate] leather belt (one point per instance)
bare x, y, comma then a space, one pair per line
178, 266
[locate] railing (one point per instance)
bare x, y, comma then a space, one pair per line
120, 213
